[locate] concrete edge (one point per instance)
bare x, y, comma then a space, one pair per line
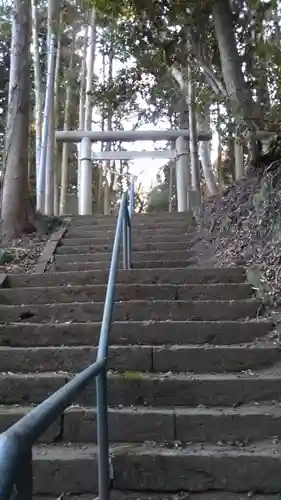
3, 279
50, 248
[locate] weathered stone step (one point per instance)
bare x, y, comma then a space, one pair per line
73, 359
183, 495
211, 425
133, 332
137, 225
146, 264
213, 359
134, 310
143, 233
152, 468
236, 426
137, 240
80, 424
63, 249
96, 293
180, 255
138, 219
145, 358
144, 389
136, 216
153, 276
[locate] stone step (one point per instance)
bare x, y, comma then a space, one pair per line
143, 233
183, 495
64, 249
164, 390
106, 239
144, 358
136, 216
133, 332
73, 359
158, 468
174, 218
96, 293
134, 310
145, 224
180, 255
146, 264
236, 426
153, 276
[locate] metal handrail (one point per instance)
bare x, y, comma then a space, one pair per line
16, 443
132, 197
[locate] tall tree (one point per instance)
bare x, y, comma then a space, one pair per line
68, 92
15, 201
37, 84
238, 92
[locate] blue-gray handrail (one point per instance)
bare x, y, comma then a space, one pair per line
16, 443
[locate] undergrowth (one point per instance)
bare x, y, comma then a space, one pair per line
243, 227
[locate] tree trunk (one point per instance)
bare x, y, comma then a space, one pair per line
185, 81
48, 124
53, 17
83, 83
58, 160
257, 66
90, 71
204, 151
193, 138
57, 152
64, 163
37, 86
276, 20
239, 158
239, 95
82, 96
170, 186
219, 150
50, 163
107, 189
15, 202
86, 173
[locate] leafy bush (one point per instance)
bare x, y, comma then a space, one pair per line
6, 256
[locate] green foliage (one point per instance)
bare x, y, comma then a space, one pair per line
261, 287
51, 224
197, 215
130, 375
262, 202
225, 224
4, 78
6, 256
268, 217
158, 199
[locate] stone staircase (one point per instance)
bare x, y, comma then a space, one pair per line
194, 379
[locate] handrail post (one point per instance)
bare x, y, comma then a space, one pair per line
102, 432
129, 239
125, 242
132, 198
23, 487
129, 247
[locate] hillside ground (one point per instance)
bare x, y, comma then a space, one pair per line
22, 254
243, 227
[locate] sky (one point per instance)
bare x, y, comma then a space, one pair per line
145, 169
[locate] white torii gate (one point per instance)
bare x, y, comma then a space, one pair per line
87, 156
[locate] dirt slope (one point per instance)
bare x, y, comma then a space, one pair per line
243, 227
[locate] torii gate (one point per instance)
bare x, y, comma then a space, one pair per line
179, 154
